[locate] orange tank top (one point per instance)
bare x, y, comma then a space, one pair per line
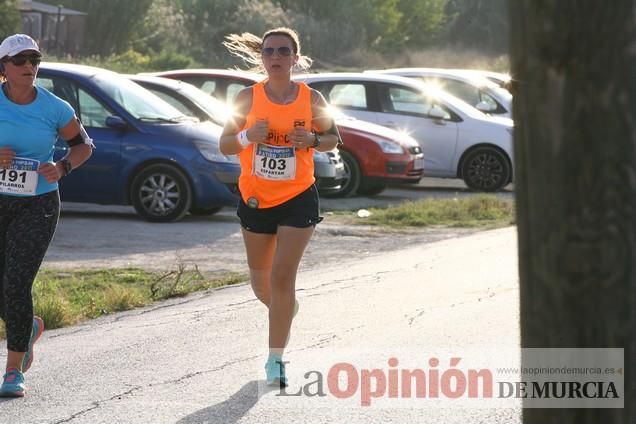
274, 172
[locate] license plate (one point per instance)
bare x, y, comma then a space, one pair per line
418, 163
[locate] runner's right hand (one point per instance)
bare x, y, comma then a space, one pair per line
6, 157
258, 132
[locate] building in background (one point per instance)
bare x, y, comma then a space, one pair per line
58, 30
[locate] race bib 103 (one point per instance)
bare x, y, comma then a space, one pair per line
274, 163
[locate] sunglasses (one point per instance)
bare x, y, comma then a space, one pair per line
282, 51
21, 59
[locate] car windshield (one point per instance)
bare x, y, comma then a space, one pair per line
487, 86
501, 93
435, 95
219, 110
138, 101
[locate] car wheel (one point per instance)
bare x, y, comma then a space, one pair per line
371, 188
486, 169
205, 211
161, 193
352, 178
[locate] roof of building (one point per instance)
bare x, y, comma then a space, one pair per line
36, 6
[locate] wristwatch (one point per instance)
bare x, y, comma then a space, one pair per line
316, 140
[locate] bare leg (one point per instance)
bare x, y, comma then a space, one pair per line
290, 247
14, 359
260, 253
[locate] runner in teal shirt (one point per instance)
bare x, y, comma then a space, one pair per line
31, 119
31, 131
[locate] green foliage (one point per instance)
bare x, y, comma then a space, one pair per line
421, 21
10, 18
357, 26
121, 298
54, 309
478, 211
170, 59
208, 21
478, 24
64, 298
110, 24
146, 35
131, 61
164, 27
365, 23
259, 16
128, 62
89, 294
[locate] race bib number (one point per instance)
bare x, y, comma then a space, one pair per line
274, 163
21, 177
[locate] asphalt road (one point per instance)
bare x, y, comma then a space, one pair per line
199, 359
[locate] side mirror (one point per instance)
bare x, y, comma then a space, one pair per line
116, 122
437, 112
485, 107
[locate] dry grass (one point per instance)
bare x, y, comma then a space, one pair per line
63, 298
483, 211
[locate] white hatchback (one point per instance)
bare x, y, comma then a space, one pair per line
474, 89
458, 141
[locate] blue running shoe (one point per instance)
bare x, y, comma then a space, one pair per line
36, 332
275, 371
13, 384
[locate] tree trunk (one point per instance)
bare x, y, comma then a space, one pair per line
575, 182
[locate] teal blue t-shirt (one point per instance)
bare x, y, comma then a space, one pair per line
31, 130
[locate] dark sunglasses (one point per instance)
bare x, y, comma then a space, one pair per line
21, 59
282, 51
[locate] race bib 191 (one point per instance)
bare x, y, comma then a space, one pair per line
274, 163
21, 177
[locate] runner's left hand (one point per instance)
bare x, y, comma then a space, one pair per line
301, 138
50, 171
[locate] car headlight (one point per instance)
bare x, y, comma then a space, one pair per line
210, 150
387, 146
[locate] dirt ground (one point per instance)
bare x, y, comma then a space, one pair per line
93, 236
212, 244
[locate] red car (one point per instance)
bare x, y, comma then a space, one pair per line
374, 156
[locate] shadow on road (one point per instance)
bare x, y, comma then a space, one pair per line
229, 411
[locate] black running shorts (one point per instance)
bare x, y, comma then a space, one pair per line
301, 211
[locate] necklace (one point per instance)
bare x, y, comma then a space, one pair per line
289, 97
